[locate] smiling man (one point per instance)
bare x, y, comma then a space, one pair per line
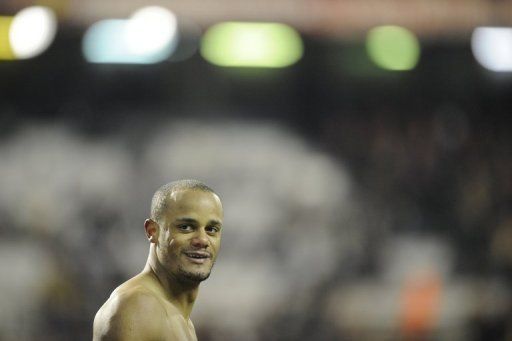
184, 232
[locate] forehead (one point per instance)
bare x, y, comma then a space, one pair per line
196, 204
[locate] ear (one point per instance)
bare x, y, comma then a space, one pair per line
152, 229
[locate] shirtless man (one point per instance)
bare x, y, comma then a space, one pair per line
184, 232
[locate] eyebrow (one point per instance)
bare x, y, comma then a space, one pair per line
192, 220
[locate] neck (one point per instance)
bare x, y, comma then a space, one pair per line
179, 293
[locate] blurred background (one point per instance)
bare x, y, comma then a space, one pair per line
362, 150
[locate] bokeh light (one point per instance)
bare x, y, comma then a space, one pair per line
149, 36
102, 43
393, 48
32, 30
150, 30
243, 44
492, 48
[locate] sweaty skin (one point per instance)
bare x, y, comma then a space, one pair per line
156, 304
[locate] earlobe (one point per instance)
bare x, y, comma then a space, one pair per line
151, 228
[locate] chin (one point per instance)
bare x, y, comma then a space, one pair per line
194, 276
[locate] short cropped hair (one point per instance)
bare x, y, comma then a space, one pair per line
159, 201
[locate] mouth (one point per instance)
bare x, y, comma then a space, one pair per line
198, 257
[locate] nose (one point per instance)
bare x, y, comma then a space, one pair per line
200, 240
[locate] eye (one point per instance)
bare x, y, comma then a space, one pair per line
185, 227
212, 229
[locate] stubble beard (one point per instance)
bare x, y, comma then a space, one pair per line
194, 276
181, 273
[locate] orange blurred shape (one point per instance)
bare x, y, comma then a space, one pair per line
420, 305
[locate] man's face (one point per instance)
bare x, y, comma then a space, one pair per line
190, 233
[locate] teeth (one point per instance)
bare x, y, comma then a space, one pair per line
196, 256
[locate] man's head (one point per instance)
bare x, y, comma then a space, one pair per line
185, 228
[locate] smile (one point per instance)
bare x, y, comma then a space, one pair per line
198, 257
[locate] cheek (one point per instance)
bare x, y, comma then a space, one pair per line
215, 243
166, 239
167, 244
168, 251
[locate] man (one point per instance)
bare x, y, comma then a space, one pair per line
184, 232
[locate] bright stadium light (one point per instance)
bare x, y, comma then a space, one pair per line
150, 30
149, 36
492, 48
243, 44
393, 48
31, 32
102, 43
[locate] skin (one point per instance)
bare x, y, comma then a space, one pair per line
156, 304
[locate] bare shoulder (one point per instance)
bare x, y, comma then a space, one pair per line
133, 312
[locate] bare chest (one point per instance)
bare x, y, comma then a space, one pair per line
179, 329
